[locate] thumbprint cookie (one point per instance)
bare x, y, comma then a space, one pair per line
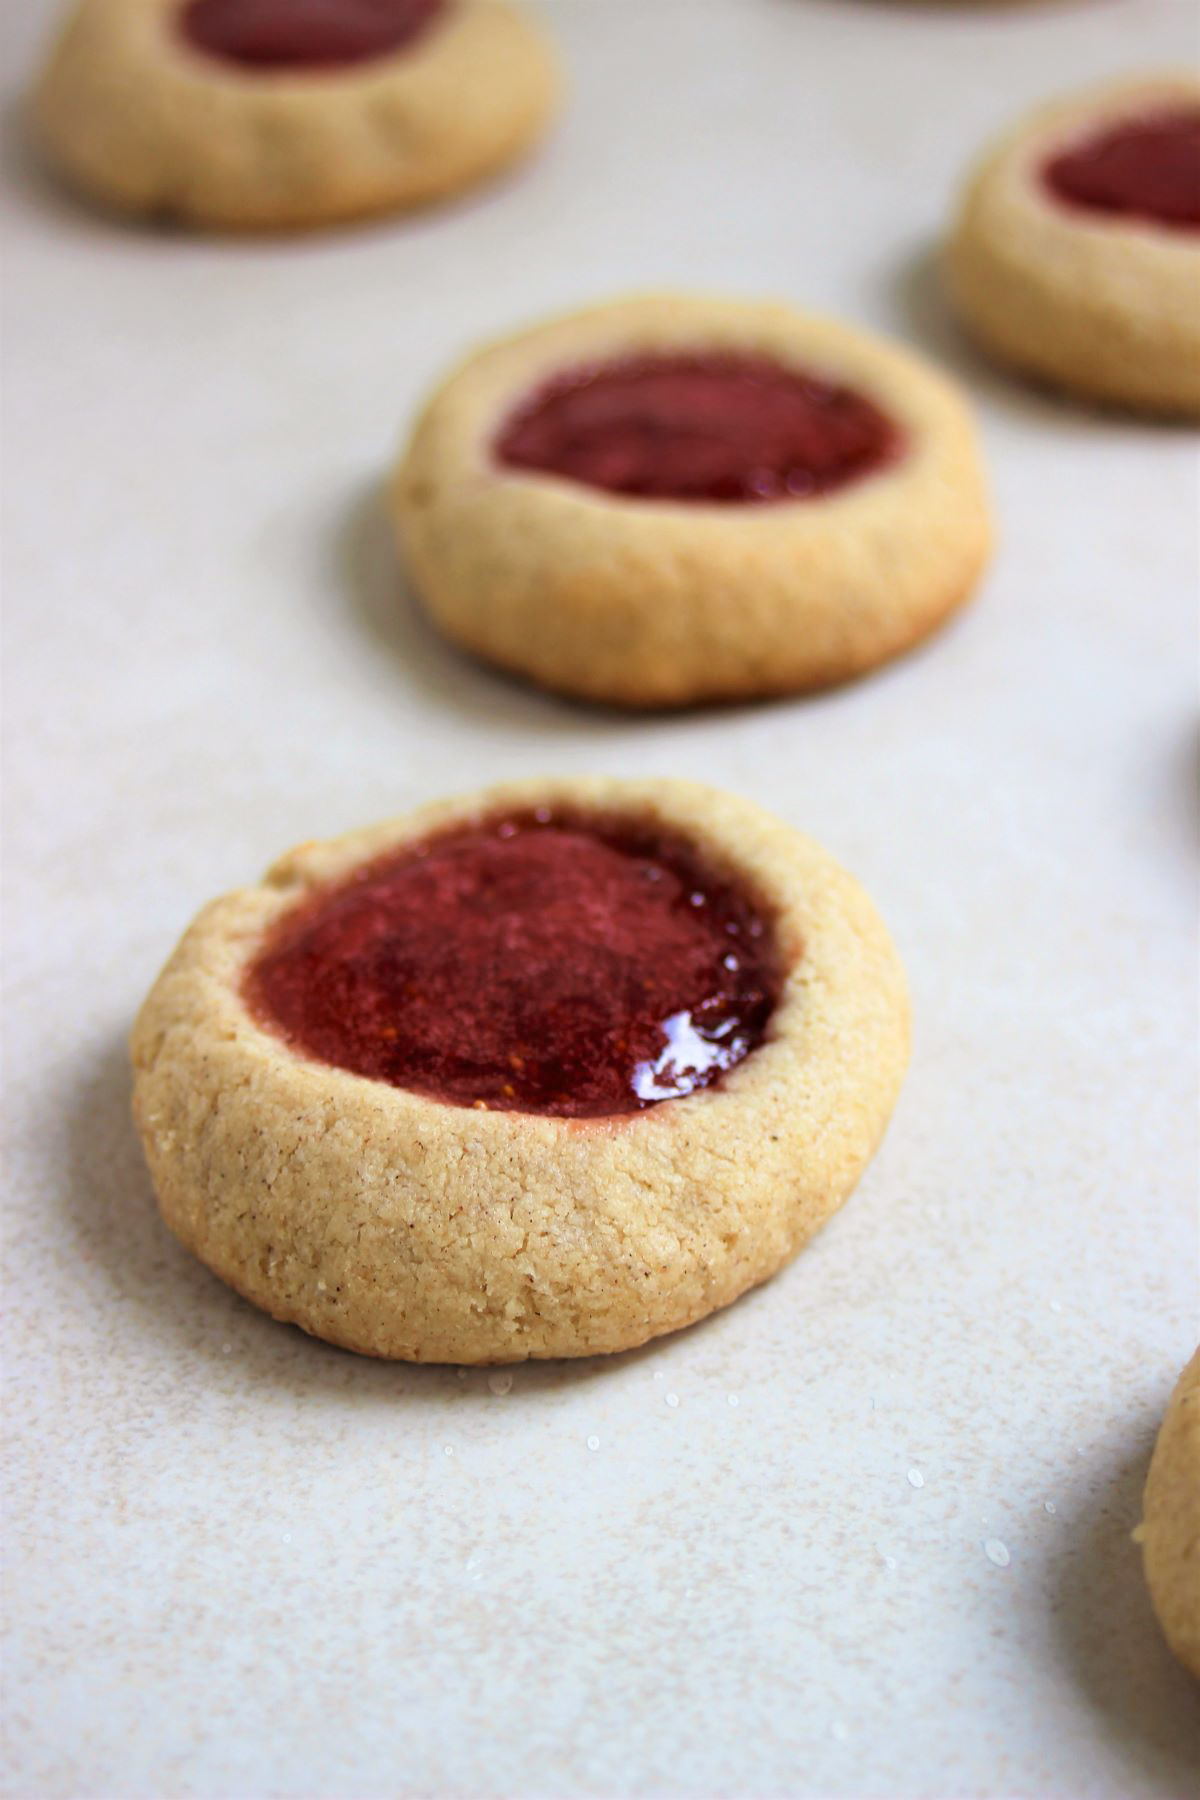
1075, 254
546, 1071
1170, 1533
675, 499
261, 114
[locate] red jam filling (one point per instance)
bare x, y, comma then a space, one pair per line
538, 962
1147, 168
304, 34
706, 427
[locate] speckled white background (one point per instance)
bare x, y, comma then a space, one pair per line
242, 1564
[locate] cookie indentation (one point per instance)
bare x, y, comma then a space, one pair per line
538, 962
717, 427
305, 34
1144, 168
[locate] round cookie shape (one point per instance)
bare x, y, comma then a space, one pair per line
1170, 1533
1075, 252
407, 1225
289, 114
674, 499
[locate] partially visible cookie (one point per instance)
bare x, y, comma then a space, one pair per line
676, 498
545, 1071
1171, 1526
1075, 253
261, 114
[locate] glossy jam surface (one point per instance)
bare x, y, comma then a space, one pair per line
712, 427
537, 962
304, 34
1144, 168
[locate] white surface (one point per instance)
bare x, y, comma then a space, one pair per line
242, 1564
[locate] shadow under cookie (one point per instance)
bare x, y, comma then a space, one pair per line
1104, 1627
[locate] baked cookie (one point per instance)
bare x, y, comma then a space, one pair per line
1075, 254
289, 113
542, 1072
674, 499
1170, 1534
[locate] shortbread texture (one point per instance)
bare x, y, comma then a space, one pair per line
146, 123
404, 1227
646, 603
1103, 305
1171, 1526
